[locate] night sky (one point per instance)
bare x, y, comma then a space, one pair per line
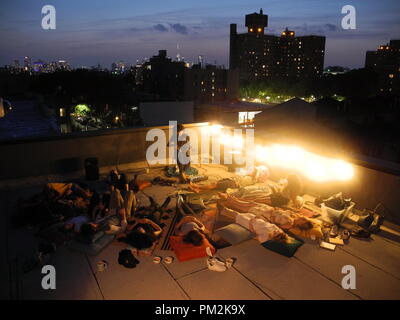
103, 31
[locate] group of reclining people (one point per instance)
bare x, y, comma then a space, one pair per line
66, 211
82, 213
265, 215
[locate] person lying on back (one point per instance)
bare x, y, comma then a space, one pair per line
143, 234
191, 229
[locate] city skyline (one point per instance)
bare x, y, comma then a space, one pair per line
104, 32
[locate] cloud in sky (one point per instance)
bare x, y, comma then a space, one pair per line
179, 28
321, 29
330, 27
160, 27
176, 27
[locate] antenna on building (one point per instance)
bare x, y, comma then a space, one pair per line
178, 56
261, 11
201, 59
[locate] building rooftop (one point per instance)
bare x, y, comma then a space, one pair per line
242, 106
25, 120
313, 273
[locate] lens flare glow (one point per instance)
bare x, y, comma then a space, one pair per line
215, 128
314, 167
234, 141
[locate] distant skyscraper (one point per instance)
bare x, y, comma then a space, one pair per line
121, 67
27, 64
63, 65
201, 60
38, 66
210, 83
50, 67
16, 64
137, 71
386, 62
259, 56
178, 55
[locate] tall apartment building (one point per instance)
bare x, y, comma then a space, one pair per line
166, 79
27, 64
211, 83
163, 77
259, 56
386, 62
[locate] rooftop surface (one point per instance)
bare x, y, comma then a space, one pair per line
258, 273
25, 120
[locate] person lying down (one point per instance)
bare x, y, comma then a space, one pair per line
285, 219
263, 229
192, 230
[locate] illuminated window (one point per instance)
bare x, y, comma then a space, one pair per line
251, 29
391, 76
259, 29
247, 117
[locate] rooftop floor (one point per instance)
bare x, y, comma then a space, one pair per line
313, 273
25, 120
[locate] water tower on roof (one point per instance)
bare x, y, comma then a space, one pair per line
256, 22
